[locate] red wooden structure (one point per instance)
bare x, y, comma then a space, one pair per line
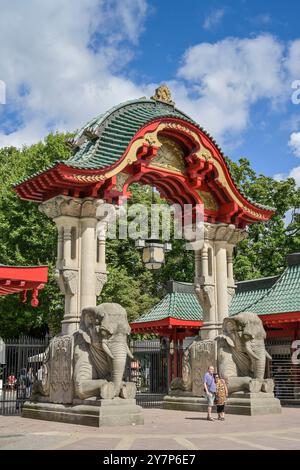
21, 279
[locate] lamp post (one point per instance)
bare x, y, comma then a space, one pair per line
153, 252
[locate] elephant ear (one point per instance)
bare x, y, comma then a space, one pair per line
85, 336
87, 319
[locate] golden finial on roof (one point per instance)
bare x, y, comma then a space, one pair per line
162, 93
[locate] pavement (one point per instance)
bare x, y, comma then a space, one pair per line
163, 430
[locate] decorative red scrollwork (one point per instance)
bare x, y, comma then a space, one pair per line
34, 298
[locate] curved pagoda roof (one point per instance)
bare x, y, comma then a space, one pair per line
275, 299
124, 145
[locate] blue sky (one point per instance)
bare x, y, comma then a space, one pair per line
229, 64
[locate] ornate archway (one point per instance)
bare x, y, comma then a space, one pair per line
148, 141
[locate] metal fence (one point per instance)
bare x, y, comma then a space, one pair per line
151, 370
21, 361
285, 370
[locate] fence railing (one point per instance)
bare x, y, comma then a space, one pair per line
151, 370
21, 361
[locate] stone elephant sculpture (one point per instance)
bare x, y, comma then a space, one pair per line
242, 354
254, 335
100, 353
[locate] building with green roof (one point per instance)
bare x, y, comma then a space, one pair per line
276, 300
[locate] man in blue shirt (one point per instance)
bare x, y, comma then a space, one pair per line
210, 390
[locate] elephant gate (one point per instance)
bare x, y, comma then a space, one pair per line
150, 142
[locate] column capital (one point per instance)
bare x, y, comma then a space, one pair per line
223, 233
67, 206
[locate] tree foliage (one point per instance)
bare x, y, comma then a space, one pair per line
28, 238
264, 252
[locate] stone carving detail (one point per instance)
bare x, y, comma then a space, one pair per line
101, 279
56, 382
230, 292
67, 280
205, 294
100, 353
91, 362
69, 206
185, 382
197, 358
61, 205
162, 93
61, 385
242, 354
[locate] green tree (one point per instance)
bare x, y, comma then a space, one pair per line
264, 252
28, 238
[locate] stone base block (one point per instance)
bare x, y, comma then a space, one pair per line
251, 404
115, 412
185, 402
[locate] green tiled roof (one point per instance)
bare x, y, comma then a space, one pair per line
265, 296
249, 292
283, 296
175, 305
115, 129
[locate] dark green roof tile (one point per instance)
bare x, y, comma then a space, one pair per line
265, 296
176, 305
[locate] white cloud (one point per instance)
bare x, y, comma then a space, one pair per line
293, 59
294, 143
212, 20
228, 77
61, 60
64, 62
294, 173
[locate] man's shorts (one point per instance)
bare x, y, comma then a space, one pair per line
210, 399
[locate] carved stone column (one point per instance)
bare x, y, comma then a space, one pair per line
231, 283
214, 283
77, 268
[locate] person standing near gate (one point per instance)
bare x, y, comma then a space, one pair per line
210, 390
221, 395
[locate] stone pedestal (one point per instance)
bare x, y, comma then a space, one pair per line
239, 403
252, 404
90, 412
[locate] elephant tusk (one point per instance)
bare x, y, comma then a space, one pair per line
107, 350
250, 351
129, 352
268, 356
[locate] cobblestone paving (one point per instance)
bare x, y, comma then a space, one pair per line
163, 429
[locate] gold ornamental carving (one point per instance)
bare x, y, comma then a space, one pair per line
121, 178
162, 93
169, 156
208, 200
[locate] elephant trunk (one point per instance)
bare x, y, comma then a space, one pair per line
119, 351
256, 349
